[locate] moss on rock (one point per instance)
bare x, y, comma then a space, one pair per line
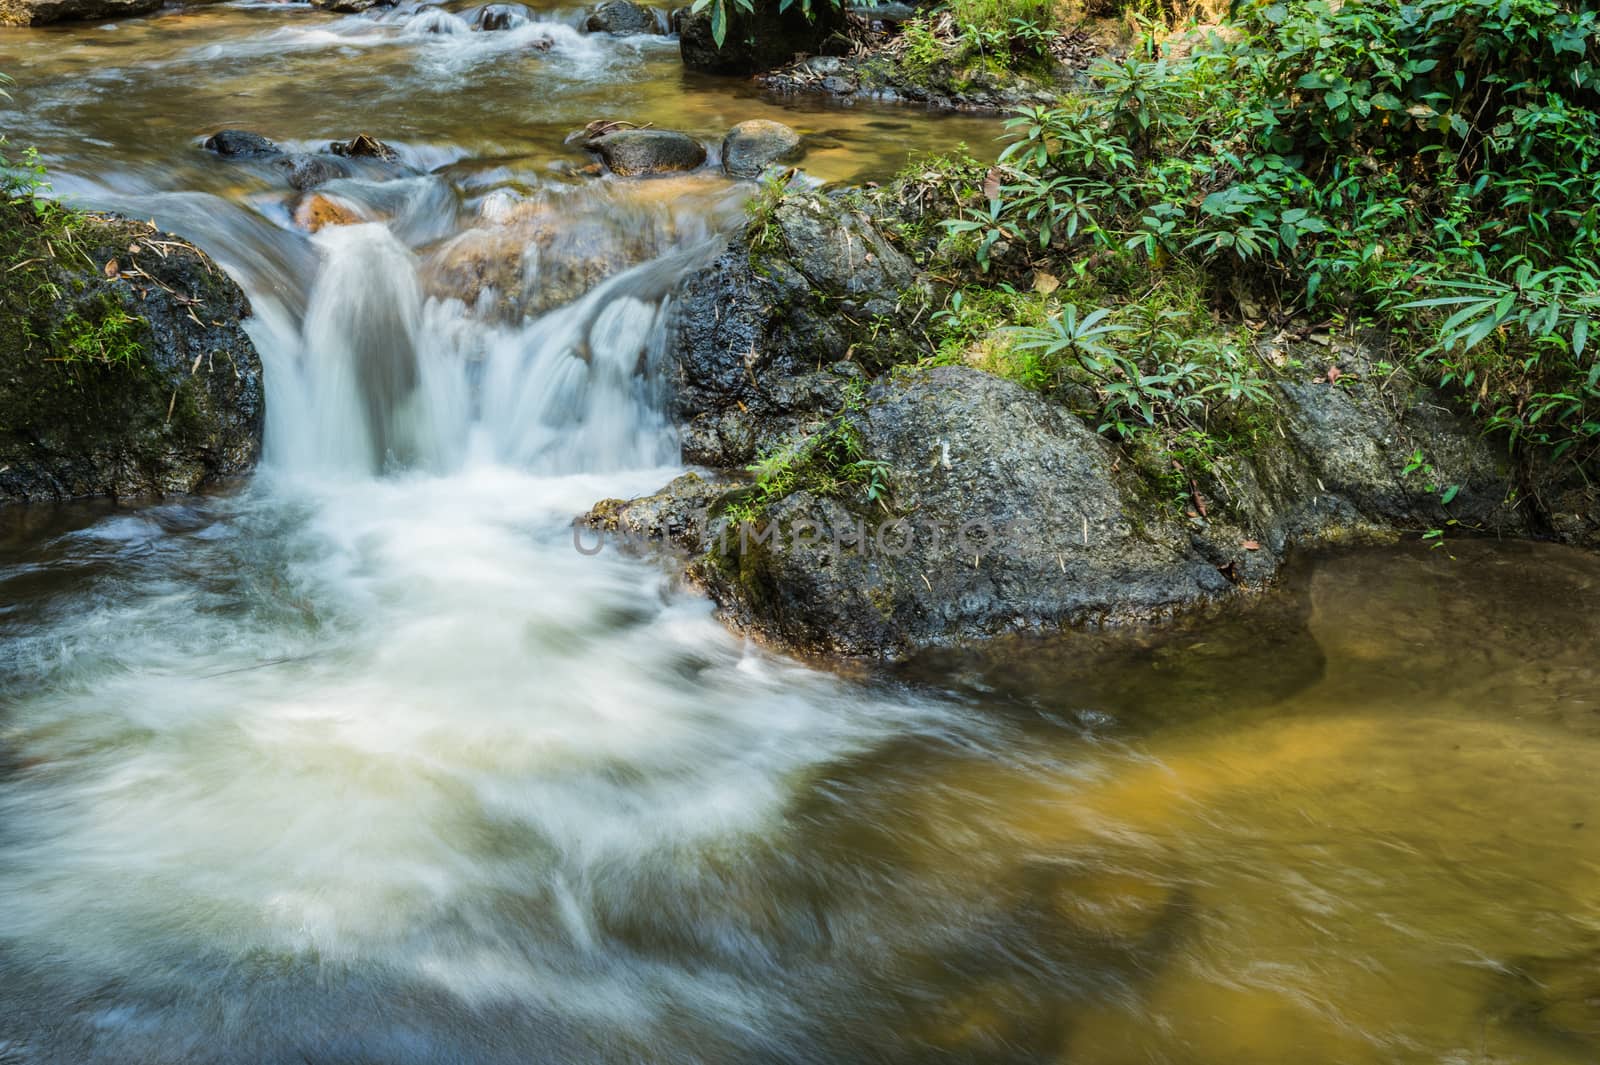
123, 367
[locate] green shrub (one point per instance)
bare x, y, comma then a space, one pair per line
1430, 165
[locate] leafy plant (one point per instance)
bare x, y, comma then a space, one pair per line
721, 11
1430, 166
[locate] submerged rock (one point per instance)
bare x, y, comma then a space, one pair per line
757, 40
622, 18
240, 144
306, 171
41, 12
635, 152
493, 18
527, 256
124, 370
752, 146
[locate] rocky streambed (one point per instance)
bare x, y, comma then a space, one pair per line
375, 756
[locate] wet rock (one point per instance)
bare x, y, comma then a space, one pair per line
751, 147
622, 18
40, 12
757, 40
633, 152
350, 7
531, 257
363, 146
305, 171
942, 86
785, 309
240, 144
319, 210
124, 371
1009, 514
672, 520
493, 18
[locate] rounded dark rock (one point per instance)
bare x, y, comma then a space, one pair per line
751, 147
622, 18
634, 152
350, 7
240, 144
124, 371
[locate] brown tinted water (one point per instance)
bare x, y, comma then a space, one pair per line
362, 762
124, 105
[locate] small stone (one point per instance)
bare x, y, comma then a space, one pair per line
622, 18
364, 146
318, 210
240, 144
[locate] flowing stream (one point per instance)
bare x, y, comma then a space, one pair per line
364, 763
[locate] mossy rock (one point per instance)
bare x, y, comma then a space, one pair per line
124, 370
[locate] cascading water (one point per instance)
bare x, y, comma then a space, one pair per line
364, 763
372, 727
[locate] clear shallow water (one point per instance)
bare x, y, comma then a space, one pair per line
363, 762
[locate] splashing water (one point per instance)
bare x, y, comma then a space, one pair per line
365, 763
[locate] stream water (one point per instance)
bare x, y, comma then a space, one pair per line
363, 762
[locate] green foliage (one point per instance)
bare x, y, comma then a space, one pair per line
969, 37
1147, 371
828, 463
22, 181
102, 333
1418, 464
721, 12
1432, 165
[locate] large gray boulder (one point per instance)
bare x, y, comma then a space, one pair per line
241, 144
135, 379
40, 12
636, 152
752, 146
757, 40
1004, 513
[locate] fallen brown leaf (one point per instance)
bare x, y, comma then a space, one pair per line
991, 184
1251, 545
